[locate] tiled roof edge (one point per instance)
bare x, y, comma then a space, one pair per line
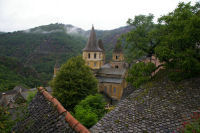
75, 124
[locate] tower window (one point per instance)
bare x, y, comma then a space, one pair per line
95, 64
114, 90
116, 57
116, 67
95, 55
89, 55
105, 90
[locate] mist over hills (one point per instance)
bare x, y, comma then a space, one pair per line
38, 48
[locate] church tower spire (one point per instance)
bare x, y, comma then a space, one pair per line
92, 42
92, 53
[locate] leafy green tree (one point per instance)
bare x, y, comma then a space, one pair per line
5, 121
90, 110
73, 83
179, 45
140, 73
140, 41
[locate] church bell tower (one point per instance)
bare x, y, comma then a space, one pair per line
94, 53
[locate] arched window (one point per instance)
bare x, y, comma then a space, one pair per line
95, 55
95, 64
116, 66
89, 55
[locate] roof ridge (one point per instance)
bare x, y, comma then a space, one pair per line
73, 123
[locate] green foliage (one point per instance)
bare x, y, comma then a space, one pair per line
31, 95
175, 40
86, 117
13, 73
140, 73
40, 47
180, 40
90, 110
5, 121
193, 126
141, 40
73, 83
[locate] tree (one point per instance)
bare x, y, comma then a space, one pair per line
140, 73
141, 40
30, 96
180, 40
73, 83
5, 121
90, 110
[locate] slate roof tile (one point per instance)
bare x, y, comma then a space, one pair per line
46, 114
159, 110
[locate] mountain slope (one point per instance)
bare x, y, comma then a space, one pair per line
13, 73
41, 46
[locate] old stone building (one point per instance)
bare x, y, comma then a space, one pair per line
111, 76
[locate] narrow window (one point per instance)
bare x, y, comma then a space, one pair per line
116, 67
114, 90
95, 55
116, 57
105, 89
89, 55
95, 64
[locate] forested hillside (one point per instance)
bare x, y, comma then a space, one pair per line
13, 73
40, 47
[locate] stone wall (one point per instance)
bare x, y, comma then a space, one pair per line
91, 61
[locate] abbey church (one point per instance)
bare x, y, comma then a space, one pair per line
111, 76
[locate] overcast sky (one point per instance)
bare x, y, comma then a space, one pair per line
104, 14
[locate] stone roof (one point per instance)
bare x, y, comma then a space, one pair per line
100, 43
92, 45
20, 88
157, 109
46, 114
112, 71
110, 80
108, 65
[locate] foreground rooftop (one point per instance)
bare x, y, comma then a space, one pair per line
162, 108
